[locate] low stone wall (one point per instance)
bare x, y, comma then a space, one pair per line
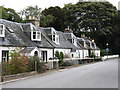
16, 76
109, 56
73, 61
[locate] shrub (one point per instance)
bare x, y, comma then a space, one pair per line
40, 66
103, 52
57, 54
60, 56
17, 64
92, 55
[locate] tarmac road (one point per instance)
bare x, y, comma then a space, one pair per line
97, 75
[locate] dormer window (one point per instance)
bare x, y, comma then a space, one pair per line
2, 30
36, 36
55, 37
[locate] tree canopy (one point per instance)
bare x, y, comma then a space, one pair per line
56, 17
10, 14
98, 20
31, 11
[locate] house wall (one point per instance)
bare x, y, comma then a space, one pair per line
5, 48
77, 54
65, 51
85, 53
51, 63
49, 52
33, 52
97, 52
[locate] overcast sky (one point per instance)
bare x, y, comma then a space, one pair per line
18, 5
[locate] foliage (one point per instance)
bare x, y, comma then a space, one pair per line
17, 64
92, 55
57, 17
31, 11
10, 14
95, 19
60, 56
46, 20
57, 54
103, 52
35, 62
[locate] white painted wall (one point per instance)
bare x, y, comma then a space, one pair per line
49, 52
97, 52
33, 52
85, 54
65, 51
5, 48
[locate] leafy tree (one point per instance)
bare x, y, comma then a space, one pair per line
45, 21
57, 54
17, 64
31, 11
10, 14
57, 15
4, 14
95, 19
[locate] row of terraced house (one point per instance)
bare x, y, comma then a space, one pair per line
31, 39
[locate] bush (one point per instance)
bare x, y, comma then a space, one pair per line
40, 66
60, 56
92, 55
103, 52
17, 64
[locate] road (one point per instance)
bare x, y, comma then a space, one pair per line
98, 75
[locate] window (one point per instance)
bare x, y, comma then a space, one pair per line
36, 35
57, 39
54, 38
5, 56
2, 30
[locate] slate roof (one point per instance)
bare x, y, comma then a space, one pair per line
14, 36
64, 42
88, 41
18, 35
27, 50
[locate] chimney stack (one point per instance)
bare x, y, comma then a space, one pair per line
68, 30
35, 21
82, 35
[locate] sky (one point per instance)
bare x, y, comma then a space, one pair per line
18, 5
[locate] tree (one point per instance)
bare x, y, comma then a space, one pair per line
58, 17
95, 19
114, 38
31, 11
45, 21
10, 14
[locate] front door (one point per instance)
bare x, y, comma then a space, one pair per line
44, 56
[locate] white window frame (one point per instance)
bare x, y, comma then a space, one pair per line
2, 30
37, 37
6, 57
55, 37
